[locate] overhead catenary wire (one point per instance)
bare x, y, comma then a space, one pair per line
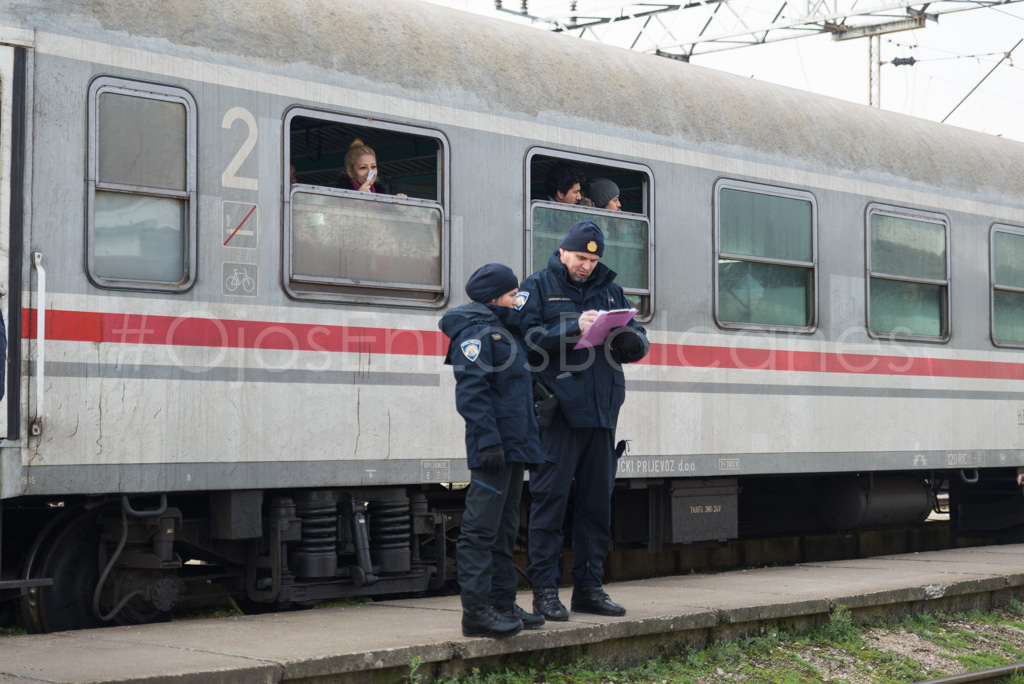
1005, 57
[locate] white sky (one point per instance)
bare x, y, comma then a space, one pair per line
955, 55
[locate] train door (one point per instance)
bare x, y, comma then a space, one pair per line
9, 211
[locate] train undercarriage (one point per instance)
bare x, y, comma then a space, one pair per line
91, 562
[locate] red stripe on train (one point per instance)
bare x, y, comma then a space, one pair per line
82, 326
827, 362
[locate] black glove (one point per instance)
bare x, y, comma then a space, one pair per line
492, 460
545, 404
626, 341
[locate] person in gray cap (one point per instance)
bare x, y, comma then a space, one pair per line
604, 194
494, 394
558, 305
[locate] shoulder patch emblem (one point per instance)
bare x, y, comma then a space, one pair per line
521, 298
471, 348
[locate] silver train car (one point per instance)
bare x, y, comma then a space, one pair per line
218, 375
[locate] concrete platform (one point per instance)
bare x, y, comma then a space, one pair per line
379, 642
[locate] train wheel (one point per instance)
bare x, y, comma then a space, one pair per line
68, 551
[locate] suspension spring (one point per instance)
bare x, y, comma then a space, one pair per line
390, 533
316, 554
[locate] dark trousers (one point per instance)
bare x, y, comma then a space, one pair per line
489, 527
585, 456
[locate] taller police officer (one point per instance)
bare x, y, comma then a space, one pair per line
558, 304
494, 394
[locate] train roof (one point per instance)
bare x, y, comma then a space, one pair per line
446, 57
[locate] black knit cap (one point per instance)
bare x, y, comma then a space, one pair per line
584, 237
490, 281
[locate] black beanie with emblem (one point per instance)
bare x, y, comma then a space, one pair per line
490, 281
584, 237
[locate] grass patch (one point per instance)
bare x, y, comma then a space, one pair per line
206, 612
888, 667
839, 630
981, 661
10, 621
838, 651
340, 603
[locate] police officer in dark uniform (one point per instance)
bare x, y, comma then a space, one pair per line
494, 394
558, 304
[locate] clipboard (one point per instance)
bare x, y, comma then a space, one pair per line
603, 325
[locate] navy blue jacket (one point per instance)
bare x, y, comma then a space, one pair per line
493, 383
589, 382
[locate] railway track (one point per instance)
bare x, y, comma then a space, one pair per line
989, 676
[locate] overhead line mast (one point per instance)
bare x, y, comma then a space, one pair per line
717, 25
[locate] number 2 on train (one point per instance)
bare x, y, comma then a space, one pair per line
230, 177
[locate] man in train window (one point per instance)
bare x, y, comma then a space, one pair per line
558, 305
563, 183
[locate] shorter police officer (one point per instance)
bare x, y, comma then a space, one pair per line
558, 305
494, 394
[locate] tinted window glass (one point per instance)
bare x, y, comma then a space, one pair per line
353, 241
139, 237
141, 186
1008, 256
757, 227
141, 141
1008, 316
760, 225
905, 252
906, 247
1007, 287
767, 294
905, 308
626, 241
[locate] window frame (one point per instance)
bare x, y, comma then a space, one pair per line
442, 204
151, 91
993, 286
648, 205
773, 191
925, 216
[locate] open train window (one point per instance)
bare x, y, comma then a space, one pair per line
628, 232
1007, 268
141, 186
346, 243
765, 257
908, 274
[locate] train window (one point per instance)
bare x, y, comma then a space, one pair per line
628, 232
765, 257
1007, 258
908, 274
349, 245
141, 186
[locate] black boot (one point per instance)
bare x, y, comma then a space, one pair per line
594, 600
530, 621
485, 621
545, 602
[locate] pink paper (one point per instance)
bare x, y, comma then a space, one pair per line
606, 321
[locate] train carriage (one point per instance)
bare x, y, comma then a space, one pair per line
215, 373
